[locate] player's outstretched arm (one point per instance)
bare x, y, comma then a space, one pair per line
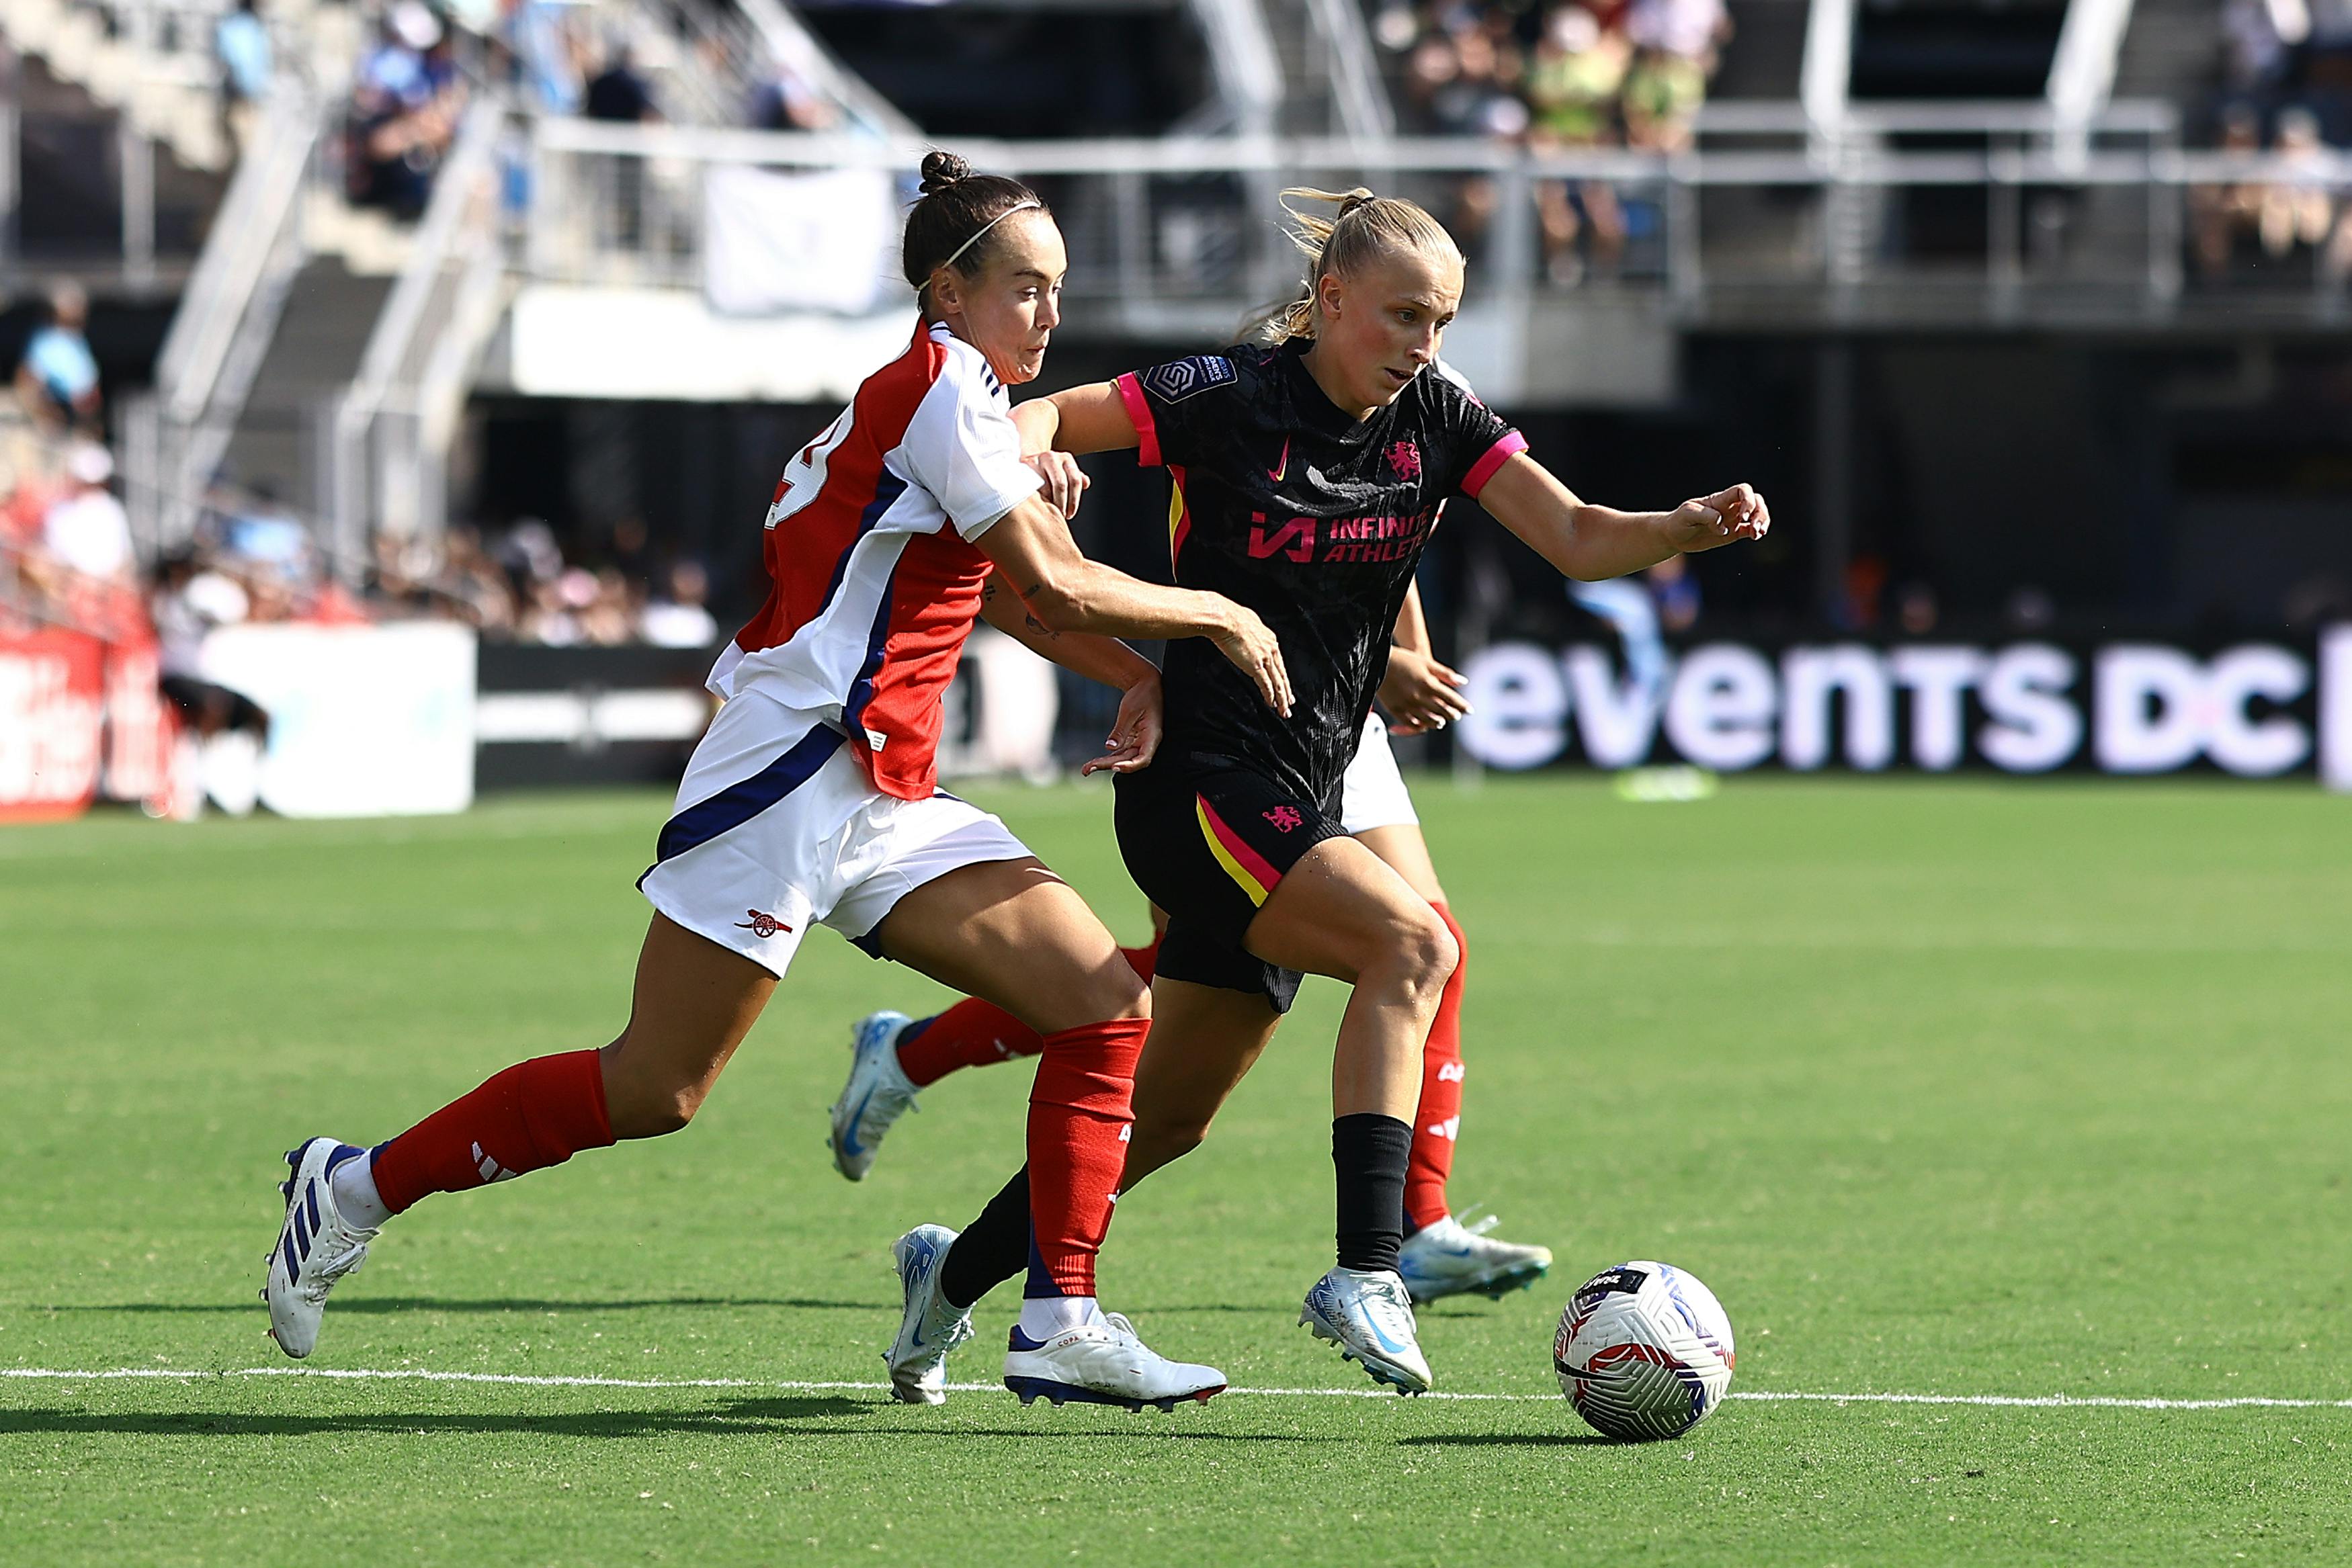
1038, 560
1091, 418
1590, 543
1094, 416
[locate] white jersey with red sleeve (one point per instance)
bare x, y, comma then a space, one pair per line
875, 579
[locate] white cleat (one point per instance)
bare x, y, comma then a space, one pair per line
877, 1094
315, 1247
1450, 1258
930, 1326
1367, 1313
1103, 1362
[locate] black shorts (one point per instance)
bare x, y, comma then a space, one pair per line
1207, 838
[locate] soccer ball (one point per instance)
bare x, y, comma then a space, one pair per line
1643, 1352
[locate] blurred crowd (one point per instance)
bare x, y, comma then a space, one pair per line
68, 556
550, 56
407, 97
2286, 88
518, 585
1568, 74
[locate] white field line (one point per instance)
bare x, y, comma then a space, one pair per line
528, 1380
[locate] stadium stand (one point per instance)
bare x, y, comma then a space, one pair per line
559, 314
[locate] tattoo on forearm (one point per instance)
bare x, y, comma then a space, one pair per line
1036, 627
1039, 627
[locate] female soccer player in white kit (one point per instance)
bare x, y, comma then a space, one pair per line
813, 799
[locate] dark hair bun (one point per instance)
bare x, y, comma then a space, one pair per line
941, 170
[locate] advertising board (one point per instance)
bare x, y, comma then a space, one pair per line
2253, 709
52, 713
365, 721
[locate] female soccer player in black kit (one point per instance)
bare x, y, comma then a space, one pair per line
1306, 475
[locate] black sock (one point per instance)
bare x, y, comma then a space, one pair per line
993, 1248
1369, 1153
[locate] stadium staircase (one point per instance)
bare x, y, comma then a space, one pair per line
323, 331
320, 347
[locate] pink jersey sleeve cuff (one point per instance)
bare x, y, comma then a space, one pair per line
1147, 433
1496, 455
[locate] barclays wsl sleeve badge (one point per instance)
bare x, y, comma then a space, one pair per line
1180, 379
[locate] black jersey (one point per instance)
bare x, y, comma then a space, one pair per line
1282, 503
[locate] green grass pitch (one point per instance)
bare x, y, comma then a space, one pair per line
1950, 1088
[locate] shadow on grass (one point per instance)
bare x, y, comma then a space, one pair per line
734, 1417
731, 1416
1279, 1308
1276, 1309
345, 1306
1509, 1440
1154, 1433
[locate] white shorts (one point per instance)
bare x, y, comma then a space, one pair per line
776, 828
1372, 794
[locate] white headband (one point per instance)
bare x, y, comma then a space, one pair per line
1017, 207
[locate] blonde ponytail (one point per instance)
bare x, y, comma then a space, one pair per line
1363, 228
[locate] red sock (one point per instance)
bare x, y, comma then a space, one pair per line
974, 1033
534, 1114
1080, 1112
1440, 1117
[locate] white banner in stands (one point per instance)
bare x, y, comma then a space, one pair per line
2255, 709
365, 721
774, 242
638, 343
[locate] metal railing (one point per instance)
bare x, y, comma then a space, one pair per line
391, 428
1354, 69
1918, 212
152, 67
790, 43
1766, 222
1244, 71
175, 435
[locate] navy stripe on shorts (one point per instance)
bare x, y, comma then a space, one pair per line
739, 803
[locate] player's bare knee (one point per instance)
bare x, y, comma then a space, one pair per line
652, 1113
639, 1104
1115, 992
1421, 955
1160, 1141
681, 1106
